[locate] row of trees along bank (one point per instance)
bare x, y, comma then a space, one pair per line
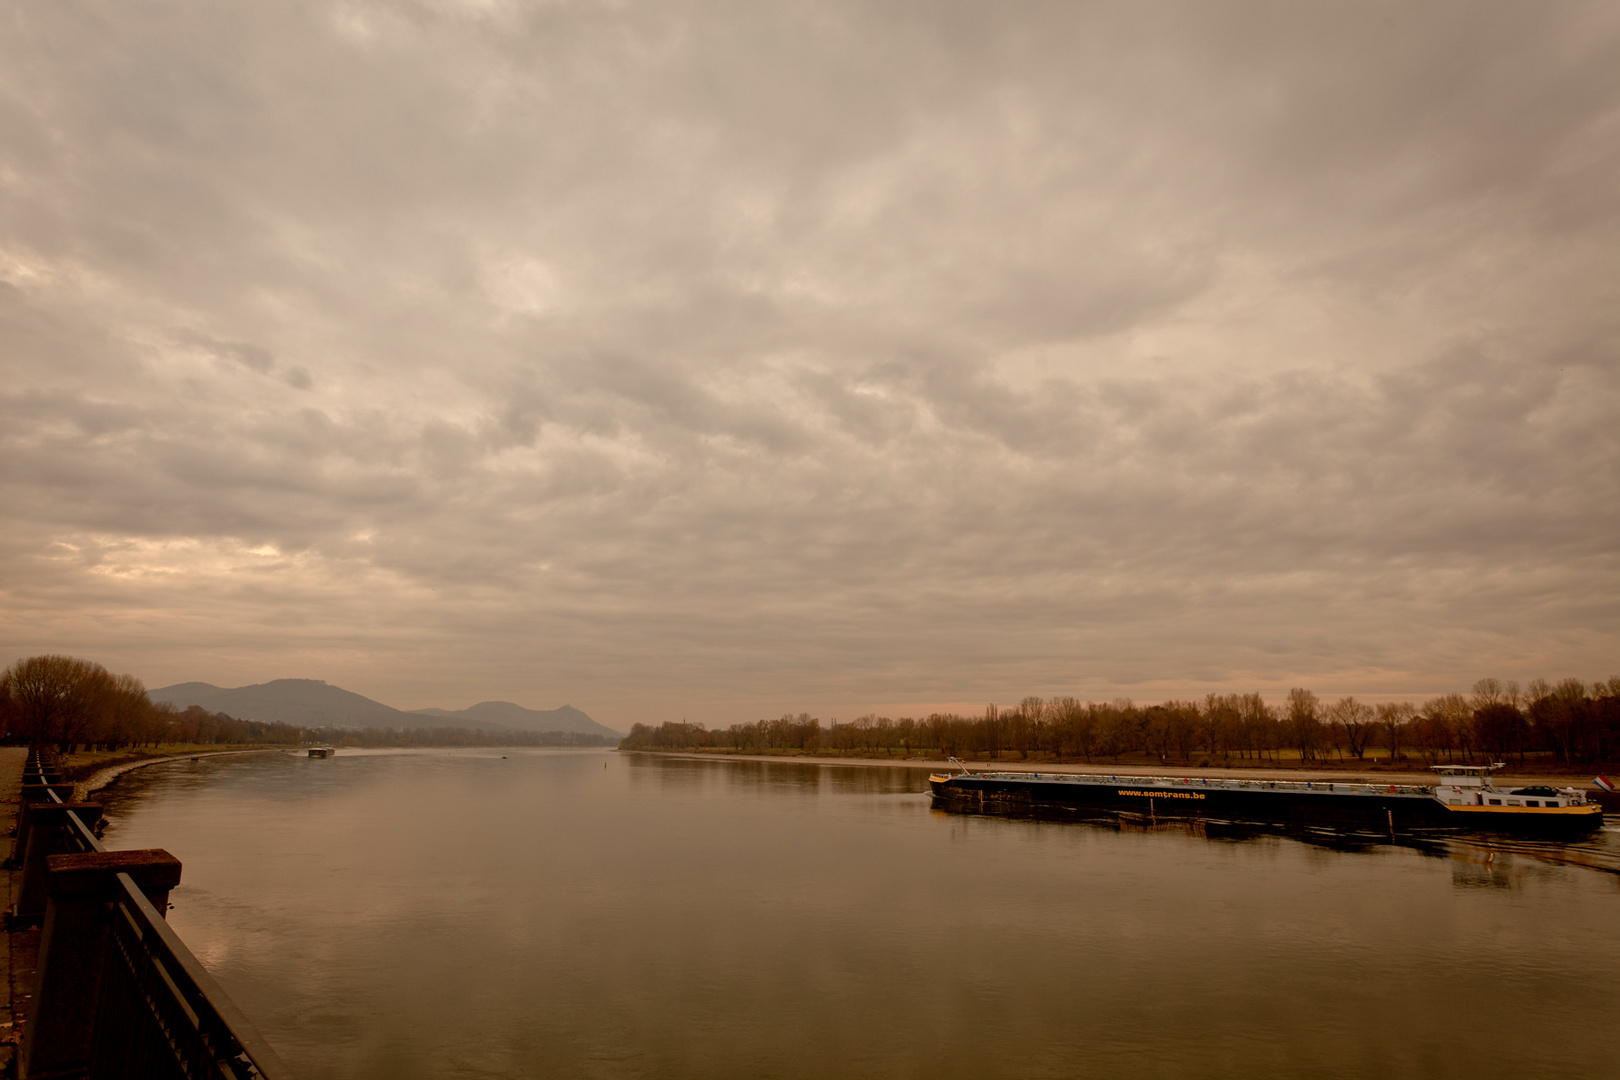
1569, 722
68, 702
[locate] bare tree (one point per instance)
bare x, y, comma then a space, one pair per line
883, 734
1118, 727
992, 730
1070, 727
1184, 726
1304, 722
126, 711
56, 698
905, 731
1488, 692
1355, 719
1028, 724
1259, 724
1393, 718
1223, 721
1452, 712
1500, 729
1560, 715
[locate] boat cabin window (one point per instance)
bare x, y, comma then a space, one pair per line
1465, 775
1496, 802
1531, 802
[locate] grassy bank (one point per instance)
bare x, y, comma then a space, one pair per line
85, 764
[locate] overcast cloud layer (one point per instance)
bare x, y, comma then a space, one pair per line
721, 359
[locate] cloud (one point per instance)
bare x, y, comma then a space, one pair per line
253, 357
715, 359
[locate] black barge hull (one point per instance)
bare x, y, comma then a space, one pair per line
1359, 806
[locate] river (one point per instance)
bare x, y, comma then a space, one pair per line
541, 913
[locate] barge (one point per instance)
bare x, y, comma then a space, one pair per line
1463, 796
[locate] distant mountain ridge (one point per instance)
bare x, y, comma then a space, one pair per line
316, 703
507, 715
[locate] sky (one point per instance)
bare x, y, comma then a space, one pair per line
715, 360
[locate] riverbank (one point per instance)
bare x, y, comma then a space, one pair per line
98, 773
1338, 774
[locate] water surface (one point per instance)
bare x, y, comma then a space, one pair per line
401, 914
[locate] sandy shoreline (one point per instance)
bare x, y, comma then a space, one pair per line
103, 778
1101, 769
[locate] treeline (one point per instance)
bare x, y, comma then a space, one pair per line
1568, 721
65, 701
68, 702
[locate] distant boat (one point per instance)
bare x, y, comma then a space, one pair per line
323, 751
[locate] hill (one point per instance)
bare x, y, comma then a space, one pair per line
305, 702
507, 715
315, 703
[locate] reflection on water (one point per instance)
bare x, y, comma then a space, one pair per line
577, 913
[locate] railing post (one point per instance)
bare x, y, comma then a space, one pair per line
73, 951
47, 836
34, 793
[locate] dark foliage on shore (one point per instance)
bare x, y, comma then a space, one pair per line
1569, 723
68, 702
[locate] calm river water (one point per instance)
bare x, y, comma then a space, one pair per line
463, 914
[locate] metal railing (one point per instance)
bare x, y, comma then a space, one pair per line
157, 1013
161, 1014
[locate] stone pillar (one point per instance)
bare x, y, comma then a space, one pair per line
73, 951
33, 793
45, 838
